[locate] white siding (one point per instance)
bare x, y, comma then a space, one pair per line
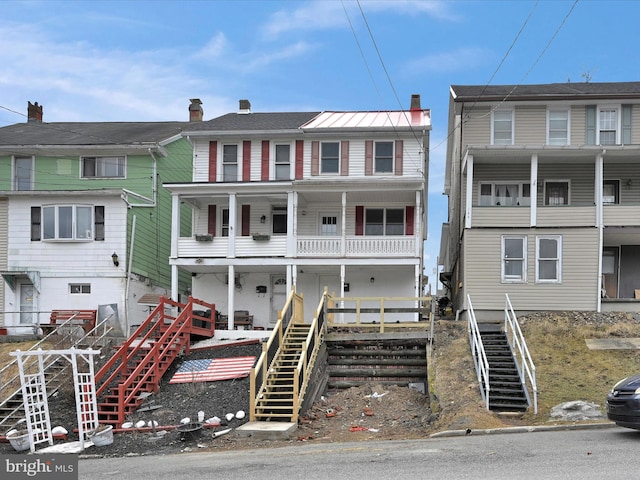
201, 161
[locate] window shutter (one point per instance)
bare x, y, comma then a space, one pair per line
344, 158
36, 231
213, 160
626, 124
590, 127
359, 219
399, 154
368, 157
409, 220
315, 158
211, 220
246, 225
264, 162
98, 223
246, 160
299, 159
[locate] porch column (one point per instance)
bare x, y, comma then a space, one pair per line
417, 227
231, 287
469, 194
175, 234
292, 224
233, 222
598, 190
533, 191
343, 226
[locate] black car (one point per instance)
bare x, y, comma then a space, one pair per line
623, 403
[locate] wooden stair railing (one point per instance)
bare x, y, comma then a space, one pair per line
140, 362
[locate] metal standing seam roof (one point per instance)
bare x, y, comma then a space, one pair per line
368, 120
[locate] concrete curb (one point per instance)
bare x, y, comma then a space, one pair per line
524, 429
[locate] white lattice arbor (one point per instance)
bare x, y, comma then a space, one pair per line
35, 397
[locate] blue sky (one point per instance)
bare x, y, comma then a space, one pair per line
143, 60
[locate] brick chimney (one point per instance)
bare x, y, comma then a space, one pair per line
195, 110
416, 109
34, 112
245, 106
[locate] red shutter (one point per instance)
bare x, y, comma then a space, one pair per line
368, 157
211, 220
398, 166
344, 158
246, 225
264, 176
299, 159
409, 220
213, 160
359, 220
315, 158
246, 161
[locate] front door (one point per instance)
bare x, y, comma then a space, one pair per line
278, 295
610, 272
27, 292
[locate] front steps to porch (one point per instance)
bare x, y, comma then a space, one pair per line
506, 393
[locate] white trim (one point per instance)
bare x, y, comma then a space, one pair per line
551, 180
618, 108
558, 258
513, 279
339, 143
13, 172
513, 125
568, 112
272, 160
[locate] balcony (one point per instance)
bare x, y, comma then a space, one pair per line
310, 247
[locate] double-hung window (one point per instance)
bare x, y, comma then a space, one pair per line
514, 259
608, 126
549, 259
330, 157
283, 162
230, 163
502, 127
68, 223
556, 192
558, 127
23, 173
384, 221
103, 167
383, 157
611, 192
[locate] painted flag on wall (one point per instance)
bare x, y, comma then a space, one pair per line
212, 369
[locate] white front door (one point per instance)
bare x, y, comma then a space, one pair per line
278, 295
27, 291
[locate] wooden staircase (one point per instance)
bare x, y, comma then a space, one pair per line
277, 398
507, 393
137, 367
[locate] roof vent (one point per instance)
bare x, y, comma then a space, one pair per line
245, 106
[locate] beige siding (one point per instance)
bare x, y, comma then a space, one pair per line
625, 172
579, 287
578, 134
477, 126
581, 180
498, 173
530, 125
4, 229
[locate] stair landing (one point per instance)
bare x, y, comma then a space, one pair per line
267, 430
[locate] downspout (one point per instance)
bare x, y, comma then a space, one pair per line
128, 281
153, 201
599, 225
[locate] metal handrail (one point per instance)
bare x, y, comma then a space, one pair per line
478, 353
522, 357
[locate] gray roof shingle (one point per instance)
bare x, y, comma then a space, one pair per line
253, 121
557, 91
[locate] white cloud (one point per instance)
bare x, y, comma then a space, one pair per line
452, 61
216, 47
438, 9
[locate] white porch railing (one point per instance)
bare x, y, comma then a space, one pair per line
478, 353
521, 355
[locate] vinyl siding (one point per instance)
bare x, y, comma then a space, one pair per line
530, 125
476, 128
578, 127
579, 287
581, 180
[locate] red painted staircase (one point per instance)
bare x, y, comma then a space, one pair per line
140, 362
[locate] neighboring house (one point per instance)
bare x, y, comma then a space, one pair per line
84, 220
304, 200
544, 197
